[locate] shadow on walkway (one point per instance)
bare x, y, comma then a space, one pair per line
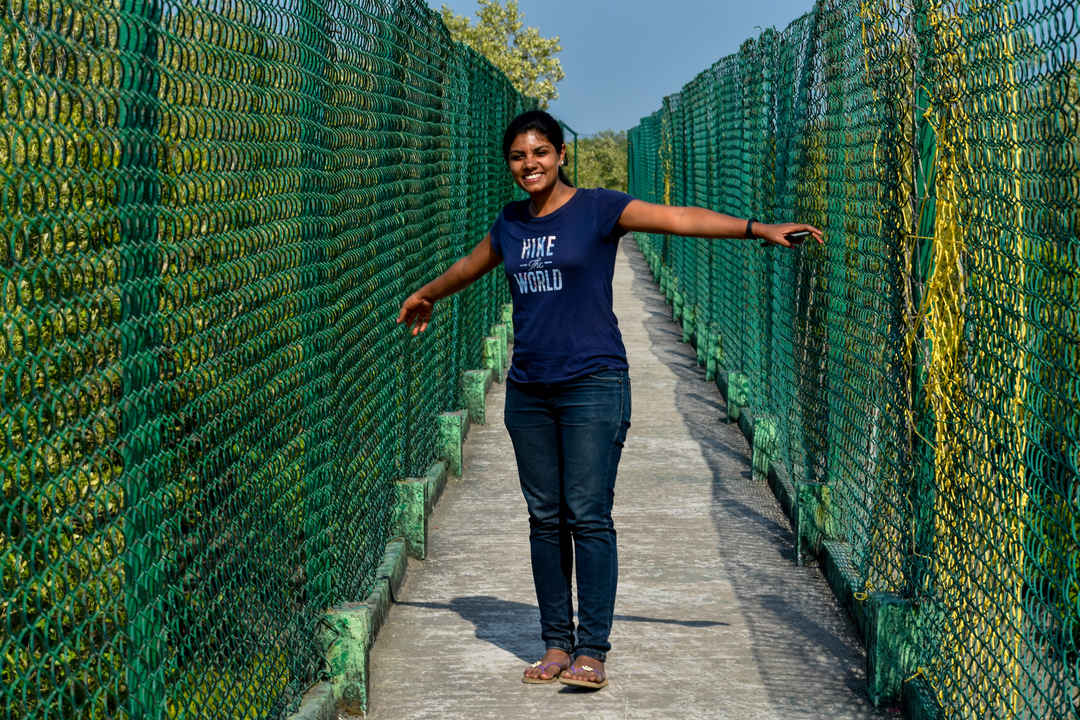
497, 621
787, 622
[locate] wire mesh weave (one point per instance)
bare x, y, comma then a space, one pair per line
211, 212
925, 363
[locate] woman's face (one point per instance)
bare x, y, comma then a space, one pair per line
534, 161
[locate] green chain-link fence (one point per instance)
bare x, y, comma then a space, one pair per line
923, 367
211, 212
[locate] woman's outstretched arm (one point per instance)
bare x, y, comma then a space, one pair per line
641, 216
416, 310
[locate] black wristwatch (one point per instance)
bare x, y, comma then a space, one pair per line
749, 225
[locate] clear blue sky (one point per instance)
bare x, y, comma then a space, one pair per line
621, 57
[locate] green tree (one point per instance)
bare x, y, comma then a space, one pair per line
601, 160
500, 35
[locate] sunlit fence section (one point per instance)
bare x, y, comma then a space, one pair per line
210, 214
918, 376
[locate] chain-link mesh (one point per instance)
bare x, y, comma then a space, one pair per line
925, 363
211, 212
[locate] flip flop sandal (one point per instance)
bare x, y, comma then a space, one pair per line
591, 684
543, 668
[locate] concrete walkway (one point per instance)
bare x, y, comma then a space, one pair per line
713, 619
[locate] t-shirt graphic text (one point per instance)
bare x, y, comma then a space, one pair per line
535, 261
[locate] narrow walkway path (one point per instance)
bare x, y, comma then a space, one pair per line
713, 619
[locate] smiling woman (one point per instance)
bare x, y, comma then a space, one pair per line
568, 390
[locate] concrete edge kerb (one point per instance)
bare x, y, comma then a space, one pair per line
317, 703
883, 619
348, 631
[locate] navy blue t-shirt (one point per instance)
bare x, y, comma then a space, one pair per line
560, 267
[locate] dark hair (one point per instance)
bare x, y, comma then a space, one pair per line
542, 123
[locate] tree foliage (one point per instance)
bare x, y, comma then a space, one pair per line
500, 35
601, 160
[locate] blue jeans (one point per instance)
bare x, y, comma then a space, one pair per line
568, 438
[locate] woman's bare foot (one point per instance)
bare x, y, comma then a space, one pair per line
547, 668
585, 672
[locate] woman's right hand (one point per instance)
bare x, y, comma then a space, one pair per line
416, 313
416, 310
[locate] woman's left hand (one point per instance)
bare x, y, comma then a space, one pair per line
777, 234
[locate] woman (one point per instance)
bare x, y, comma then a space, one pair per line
568, 392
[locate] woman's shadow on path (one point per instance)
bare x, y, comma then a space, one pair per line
513, 626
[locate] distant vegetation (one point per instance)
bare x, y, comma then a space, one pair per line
601, 160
